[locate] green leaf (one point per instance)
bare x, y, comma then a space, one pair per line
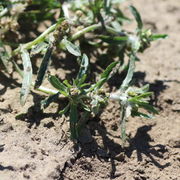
58, 85
146, 106
114, 40
83, 67
141, 96
105, 75
43, 67
158, 36
147, 116
129, 75
108, 70
45, 103
67, 83
84, 85
145, 88
82, 74
72, 48
4, 56
65, 110
27, 76
137, 17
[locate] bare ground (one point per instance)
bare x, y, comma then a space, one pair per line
38, 148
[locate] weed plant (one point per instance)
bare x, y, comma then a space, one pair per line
93, 32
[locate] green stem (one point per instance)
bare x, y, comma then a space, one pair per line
46, 90
36, 41
85, 30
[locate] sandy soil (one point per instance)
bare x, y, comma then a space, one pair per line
37, 148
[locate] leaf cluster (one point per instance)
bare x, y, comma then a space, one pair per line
83, 29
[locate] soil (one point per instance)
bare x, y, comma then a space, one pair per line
38, 148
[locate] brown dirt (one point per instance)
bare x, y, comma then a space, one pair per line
38, 148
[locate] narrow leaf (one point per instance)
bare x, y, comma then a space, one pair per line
147, 116
72, 48
129, 75
137, 16
144, 95
67, 83
27, 76
82, 74
83, 66
58, 85
108, 70
104, 77
158, 36
45, 103
146, 106
145, 88
4, 56
64, 110
43, 67
114, 40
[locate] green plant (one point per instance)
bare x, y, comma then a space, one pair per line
86, 30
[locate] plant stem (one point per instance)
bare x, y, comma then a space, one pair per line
46, 90
85, 30
53, 27
36, 41
123, 123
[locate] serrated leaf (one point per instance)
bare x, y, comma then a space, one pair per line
27, 76
45, 103
137, 16
43, 67
58, 85
72, 48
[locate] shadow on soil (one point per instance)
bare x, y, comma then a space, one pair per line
35, 114
10, 168
6, 82
112, 152
2, 168
141, 144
